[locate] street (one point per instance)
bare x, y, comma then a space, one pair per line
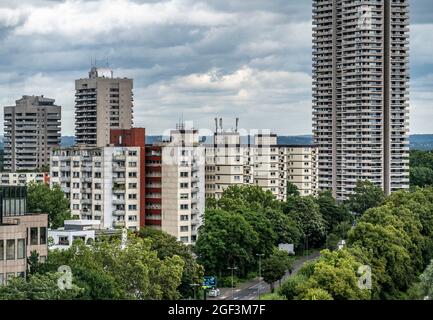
250, 290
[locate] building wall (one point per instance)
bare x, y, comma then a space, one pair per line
21, 228
32, 130
24, 178
360, 93
101, 183
102, 103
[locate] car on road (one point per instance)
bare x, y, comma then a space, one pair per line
214, 293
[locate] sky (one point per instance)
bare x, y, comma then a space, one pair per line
190, 59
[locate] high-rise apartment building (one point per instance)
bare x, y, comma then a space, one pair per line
102, 183
32, 130
360, 93
102, 103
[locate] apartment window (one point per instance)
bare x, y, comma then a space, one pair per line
2, 279
55, 163
76, 185
98, 207
184, 207
2, 250
132, 196
76, 164
132, 164
98, 186
10, 249
21, 254
43, 235
183, 185
33, 236
132, 218
76, 196
237, 178
97, 164
184, 228
184, 217
132, 207
184, 239
132, 174
184, 196
75, 174
98, 175
98, 196
184, 174
132, 153
76, 207
132, 186
55, 174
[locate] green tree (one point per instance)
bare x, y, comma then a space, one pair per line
290, 289
225, 239
167, 246
40, 198
292, 190
426, 283
306, 213
332, 213
275, 266
367, 195
38, 287
316, 294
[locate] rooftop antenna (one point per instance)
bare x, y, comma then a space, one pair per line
237, 124
216, 125
221, 124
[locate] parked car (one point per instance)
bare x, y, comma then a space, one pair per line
214, 293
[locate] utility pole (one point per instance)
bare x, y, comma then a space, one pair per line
260, 255
233, 271
194, 286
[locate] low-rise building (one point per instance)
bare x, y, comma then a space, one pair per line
21, 233
73, 230
23, 178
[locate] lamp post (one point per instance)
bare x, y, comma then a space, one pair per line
233, 271
194, 285
260, 255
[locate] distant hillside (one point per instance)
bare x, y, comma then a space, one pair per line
417, 141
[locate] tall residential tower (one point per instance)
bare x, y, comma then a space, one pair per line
360, 93
102, 103
32, 129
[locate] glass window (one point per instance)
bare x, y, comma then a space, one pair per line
43, 235
33, 236
2, 250
21, 254
10, 249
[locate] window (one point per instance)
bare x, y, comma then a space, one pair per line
2, 250
43, 235
184, 185
184, 239
2, 280
21, 249
184, 174
184, 196
132, 207
184, 228
184, 218
132, 153
76, 196
10, 249
132, 164
132, 196
132, 186
33, 236
98, 174
75, 174
98, 196
98, 207
75, 207
184, 207
132, 174
98, 186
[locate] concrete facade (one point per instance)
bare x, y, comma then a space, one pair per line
31, 131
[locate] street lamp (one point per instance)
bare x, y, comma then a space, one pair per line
194, 285
233, 271
260, 255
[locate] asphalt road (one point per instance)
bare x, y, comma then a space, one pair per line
250, 290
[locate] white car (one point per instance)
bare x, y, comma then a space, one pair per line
214, 293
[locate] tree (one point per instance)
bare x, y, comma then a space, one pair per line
306, 213
332, 213
316, 294
38, 287
367, 195
275, 266
40, 198
292, 190
426, 283
291, 287
335, 273
225, 239
167, 246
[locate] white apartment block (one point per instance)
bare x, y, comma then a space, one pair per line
101, 183
23, 178
182, 184
261, 162
361, 93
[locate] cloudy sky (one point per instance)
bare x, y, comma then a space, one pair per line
195, 59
